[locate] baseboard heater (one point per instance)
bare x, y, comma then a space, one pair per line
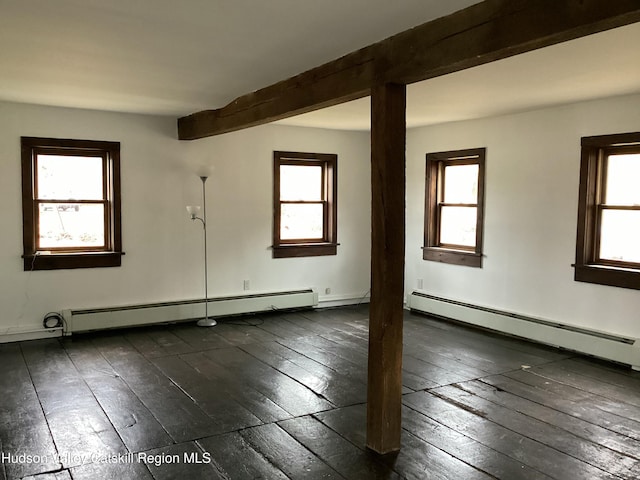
84, 320
592, 342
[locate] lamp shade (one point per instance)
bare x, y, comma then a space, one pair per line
193, 210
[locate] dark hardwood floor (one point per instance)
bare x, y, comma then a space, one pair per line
283, 396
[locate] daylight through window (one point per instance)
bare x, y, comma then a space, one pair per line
620, 210
608, 240
304, 204
454, 207
71, 203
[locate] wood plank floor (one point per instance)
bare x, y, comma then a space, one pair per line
283, 396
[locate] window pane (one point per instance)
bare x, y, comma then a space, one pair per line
623, 177
458, 226
62, 177
301, 221
461, 184
300, 182
620, 235
66, 225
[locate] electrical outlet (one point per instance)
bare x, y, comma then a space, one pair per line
327, 290
246, 284
419, 283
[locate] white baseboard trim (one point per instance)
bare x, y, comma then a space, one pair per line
327, 301
29, 333
35, 332
120, 316
599, 344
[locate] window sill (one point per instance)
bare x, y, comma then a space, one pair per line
304, 250
67, 260
454, 257
608, 275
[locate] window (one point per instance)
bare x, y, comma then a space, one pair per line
70, 203
608, 239
304, 204
454, 205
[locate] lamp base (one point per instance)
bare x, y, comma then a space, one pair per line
207, 322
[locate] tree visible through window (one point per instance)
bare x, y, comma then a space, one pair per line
305, 206
71, 203
454, 207
608, 240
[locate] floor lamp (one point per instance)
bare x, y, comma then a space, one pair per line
193, 211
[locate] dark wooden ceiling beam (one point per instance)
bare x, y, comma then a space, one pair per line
493, 30
482, 33
339, 81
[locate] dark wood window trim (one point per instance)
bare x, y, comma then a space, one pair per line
433, 249
308, 247
108, 255
588, 266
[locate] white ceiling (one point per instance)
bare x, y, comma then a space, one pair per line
170, 57
175, 57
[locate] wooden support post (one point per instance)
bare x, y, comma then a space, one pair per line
384, 398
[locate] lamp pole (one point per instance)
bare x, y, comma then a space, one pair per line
206, 276
206, 321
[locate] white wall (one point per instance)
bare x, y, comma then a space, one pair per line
532, 178
530, 215
163, 247
241, 210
